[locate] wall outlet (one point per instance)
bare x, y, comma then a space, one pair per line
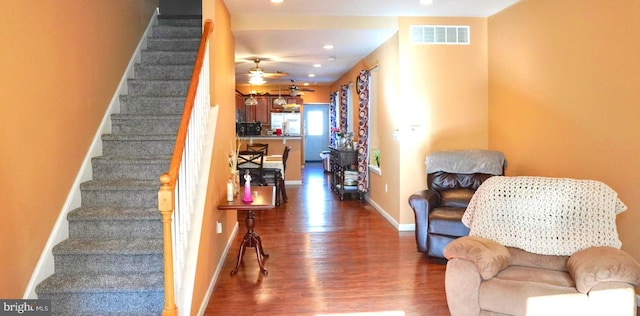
218, 227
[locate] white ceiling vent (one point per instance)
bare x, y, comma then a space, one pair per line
440, 34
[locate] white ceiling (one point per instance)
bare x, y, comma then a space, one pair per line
290, 36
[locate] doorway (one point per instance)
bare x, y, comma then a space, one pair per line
316, 125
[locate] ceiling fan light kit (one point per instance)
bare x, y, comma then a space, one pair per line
256, 80
257, 74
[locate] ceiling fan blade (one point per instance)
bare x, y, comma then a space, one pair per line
307, 90
277, 74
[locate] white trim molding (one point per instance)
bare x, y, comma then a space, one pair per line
216, 274
398, 226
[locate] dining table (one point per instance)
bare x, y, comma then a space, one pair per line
262, 200
273, 162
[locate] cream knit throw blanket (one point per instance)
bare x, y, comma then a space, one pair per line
550, 216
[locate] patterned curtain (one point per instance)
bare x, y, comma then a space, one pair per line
363, 130
343, 107
332, 118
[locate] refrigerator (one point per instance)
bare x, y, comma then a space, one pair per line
289, 122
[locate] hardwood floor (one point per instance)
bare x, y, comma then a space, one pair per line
329, 257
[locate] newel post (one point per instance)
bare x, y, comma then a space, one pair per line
165, 205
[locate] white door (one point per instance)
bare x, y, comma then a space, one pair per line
316, 125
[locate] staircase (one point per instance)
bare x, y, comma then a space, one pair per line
112, 262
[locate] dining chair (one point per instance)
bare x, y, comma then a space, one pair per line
259, 147
273, 176
253, 161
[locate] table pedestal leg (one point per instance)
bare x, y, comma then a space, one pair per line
251, 240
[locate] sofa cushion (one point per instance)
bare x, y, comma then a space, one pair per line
456, 198
446, 221
520, 257
511, 293
528, 274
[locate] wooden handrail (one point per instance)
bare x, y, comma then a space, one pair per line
188, 106
166, 203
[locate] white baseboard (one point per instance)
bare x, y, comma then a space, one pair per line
214, 279
45, 266
398, 226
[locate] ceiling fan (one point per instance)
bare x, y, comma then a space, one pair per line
295, 90
258, 71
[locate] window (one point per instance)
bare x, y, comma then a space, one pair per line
314, 123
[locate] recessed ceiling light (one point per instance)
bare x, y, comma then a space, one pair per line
332, 58
305, 84
317, 65
276, 1
426, 2
328, 46
312, 75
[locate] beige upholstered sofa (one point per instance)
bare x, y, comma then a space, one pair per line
541, 246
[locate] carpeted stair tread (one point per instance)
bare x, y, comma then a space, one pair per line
176, 31
138, 137
125, 167
180, 21
114, 214
128, 116
170, 88
144, 104
173, 44
128, 159
96, 283
168, 57
163, 72
120, 184
145, 124
113, 247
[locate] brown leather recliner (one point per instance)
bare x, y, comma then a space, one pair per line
439, 209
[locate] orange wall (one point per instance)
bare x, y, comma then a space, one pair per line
564, 95
444, 92
440, 88
386, 58
61, 62
212, 245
